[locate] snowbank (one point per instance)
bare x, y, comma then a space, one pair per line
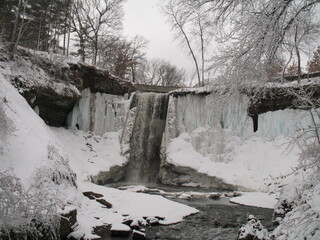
88, 153
256, 199
250, 164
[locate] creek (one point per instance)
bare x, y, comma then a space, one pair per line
217, 219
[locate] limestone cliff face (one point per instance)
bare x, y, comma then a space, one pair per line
52, 84
99, 80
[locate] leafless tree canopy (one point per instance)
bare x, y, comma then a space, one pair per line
254, 34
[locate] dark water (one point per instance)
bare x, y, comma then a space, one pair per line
218, 219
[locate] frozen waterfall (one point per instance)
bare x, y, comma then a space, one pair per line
214, 123
98, 112
146, 137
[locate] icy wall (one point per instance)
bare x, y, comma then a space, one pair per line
150, 110
214, 123
289, 122
98, 112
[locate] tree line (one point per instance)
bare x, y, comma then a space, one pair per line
251, 39
87, 29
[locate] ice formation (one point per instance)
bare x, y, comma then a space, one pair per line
215, 125
98, 112
288, 122
211, 121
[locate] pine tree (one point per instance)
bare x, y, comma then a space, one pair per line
293, 69
314, 64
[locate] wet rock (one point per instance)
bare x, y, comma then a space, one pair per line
127, 221
120, 230
135, 224
137, 235
67, 222
178, 175
214, 196
104, 202
102, 231
185, 196
92, 195
115, 174
152, 221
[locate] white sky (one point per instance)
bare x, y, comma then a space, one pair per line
144, 17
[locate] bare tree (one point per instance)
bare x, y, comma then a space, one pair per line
95, 19
18, 27
253, 34
179, 18
161, 73
137, 54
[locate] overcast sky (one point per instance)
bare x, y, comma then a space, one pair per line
144, 17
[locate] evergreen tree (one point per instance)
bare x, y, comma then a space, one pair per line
314, 64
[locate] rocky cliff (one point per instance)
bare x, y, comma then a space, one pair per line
52, 83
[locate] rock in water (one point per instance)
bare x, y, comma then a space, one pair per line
137, 235
120, 230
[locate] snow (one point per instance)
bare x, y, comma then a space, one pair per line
28, 137
302, 222
120, 227
256, 199
139, 205
28, 70
248, 165
88, 153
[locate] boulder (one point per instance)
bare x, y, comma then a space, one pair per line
137, 235
67, 222
92, 195
115, 174
214, 196
120, 230
178, 175
102, 231
104, 202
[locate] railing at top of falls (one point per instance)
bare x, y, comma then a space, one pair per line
156, 89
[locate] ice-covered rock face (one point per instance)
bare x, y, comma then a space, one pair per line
210, 121
98, 112
288, 122
192, 111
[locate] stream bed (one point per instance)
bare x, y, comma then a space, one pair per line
218, 219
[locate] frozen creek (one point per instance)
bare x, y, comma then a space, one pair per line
217, 219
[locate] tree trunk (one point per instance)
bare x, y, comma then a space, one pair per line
298, 54
14, 35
